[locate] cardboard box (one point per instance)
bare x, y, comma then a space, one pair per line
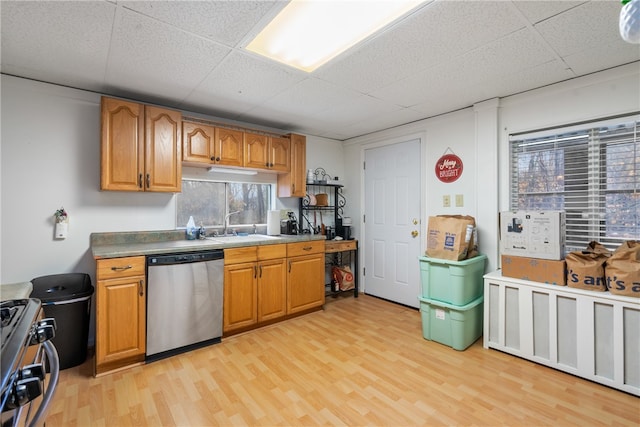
535, 269
533, 234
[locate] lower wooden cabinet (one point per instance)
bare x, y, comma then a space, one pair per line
264, 284
120, 313
254, 286
305, 273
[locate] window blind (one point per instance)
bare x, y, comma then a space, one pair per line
591, 172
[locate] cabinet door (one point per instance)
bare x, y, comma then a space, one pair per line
305, 282
197, 143
229, 147
256, 151
163, 150
280, 154
122, 133
120, 321
240, 296
293, 184
272, 289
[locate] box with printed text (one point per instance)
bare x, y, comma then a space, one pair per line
533, 234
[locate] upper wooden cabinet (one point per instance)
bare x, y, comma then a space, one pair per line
267, 152
293, 184
205, 144
141, 147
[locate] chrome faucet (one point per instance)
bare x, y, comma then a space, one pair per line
226, 221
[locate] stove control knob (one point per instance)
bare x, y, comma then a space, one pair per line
35, 370
43, 331
24, 391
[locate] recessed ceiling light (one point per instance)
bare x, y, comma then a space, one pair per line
308, 33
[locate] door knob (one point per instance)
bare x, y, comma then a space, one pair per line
414, 233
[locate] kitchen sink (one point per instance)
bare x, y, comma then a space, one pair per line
241, 238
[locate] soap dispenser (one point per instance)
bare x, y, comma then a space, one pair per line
191, 229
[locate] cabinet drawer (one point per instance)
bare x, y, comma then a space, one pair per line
339, 246
114, 268
242, 254
272, 252
305, 248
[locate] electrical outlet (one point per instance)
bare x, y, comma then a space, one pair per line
459, 200
446, 201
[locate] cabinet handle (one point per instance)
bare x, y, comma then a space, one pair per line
255, 271
307, 248
126, 267
140, 180
260, 270
141, 288
148, 180
289, 266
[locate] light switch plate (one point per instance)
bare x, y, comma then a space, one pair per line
446, 201
459, 200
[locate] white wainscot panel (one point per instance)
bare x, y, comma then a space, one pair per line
593, 335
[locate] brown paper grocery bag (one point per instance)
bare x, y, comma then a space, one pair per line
585, 269
449, 236
622, 270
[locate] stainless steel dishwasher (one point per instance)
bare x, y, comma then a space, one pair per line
184, 302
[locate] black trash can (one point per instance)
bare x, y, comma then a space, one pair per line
67, 298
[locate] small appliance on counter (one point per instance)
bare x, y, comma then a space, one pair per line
346, 228
290, 225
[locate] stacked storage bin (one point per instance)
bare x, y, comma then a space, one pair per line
451, 301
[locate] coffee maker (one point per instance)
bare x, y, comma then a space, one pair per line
346, 228
290, 225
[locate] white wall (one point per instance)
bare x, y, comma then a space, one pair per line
50, 157
479, 136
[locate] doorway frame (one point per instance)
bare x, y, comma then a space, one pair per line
421, 136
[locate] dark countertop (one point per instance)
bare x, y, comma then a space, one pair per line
116, 245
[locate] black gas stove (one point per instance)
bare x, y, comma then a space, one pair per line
29, 362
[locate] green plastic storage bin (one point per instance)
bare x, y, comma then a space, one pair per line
452, 325
453, 282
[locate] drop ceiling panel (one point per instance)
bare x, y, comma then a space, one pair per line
151, 57
536, 11
243, 81
226, 22
66, 42
582, 62
428, 37
310, 96
577, 31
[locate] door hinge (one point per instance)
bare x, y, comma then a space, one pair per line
364, 165
364, 271
364, 218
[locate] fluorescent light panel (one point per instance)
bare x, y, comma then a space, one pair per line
233, 171
308, 33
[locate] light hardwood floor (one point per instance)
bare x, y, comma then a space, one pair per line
358, 362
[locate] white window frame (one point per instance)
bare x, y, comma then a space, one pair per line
587, 213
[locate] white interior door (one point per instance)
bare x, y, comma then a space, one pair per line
392, 222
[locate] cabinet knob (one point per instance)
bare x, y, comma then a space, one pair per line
217, 159
213, 158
